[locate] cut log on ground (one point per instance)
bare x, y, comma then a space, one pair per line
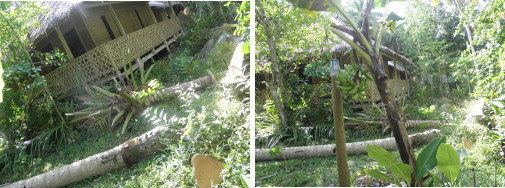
126, 154
352, 148
174, 91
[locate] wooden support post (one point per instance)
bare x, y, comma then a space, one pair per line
396, 74
172, 10
151, 12
139, 62
338, 121
114, 16
395, 79
80, 38
81, 11
64, 43
407, 78
167, 46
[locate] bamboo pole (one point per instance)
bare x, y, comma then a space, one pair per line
176, 17
338, 120
408, 84
151, 12
81, 11
396, 73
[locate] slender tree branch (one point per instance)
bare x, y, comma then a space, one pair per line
379, 38
365, 26
354, 46
396, 56
383, 49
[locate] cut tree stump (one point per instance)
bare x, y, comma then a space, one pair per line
126, 154
352, 148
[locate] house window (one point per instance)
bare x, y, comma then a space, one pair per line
74, 43
168, 15
107, 26
47, 48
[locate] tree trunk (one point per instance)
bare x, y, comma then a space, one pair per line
396, 121
352, 148
126, 154
275, 81
344, 178
468, 33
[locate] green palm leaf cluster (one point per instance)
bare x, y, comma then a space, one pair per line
105, 107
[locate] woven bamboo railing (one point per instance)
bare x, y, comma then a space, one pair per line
397, 88
109, 57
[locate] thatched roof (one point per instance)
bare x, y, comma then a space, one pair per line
60, 11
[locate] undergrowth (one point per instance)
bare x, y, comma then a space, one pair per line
212, 125
485, 160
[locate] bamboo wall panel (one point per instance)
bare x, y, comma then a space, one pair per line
128, 18
97, 28
104, 60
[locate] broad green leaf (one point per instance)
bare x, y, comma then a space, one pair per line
309, 6
402, 170
379, 175
383, 157
245, 48
382, 3
391, 26
244, 180
312, 14
394, 17
448, 162
427, 159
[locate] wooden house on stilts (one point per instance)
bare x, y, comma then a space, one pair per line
99, 37
394, 65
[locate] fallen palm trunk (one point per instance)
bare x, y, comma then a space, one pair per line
196, 85
408, 123
126, 154
352, 148
418, 123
